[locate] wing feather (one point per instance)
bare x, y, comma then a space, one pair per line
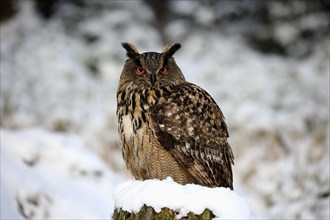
188, 123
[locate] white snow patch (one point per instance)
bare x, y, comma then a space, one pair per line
224, 203
53, 175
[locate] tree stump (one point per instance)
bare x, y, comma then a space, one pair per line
166, 199
148, 213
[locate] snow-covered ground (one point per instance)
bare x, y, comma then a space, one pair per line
53, 175
59, 146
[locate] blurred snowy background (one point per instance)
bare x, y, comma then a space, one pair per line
265, 62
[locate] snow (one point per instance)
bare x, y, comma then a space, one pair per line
224, 203
59, 141
8, 207
53, 175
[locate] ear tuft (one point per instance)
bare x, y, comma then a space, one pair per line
132, 51
169, 50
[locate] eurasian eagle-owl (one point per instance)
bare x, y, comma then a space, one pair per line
169, 127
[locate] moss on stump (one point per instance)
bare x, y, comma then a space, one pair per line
148, 213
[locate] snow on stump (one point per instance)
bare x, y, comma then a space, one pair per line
166, 199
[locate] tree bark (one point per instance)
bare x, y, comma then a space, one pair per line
148, 213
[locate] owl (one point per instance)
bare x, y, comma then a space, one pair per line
169, 127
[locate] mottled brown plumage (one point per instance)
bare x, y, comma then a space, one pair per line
168, 126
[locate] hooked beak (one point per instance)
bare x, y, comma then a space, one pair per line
152, 78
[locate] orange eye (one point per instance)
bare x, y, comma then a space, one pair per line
140, 70
163, 70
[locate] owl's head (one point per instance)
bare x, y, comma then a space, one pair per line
151, 68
